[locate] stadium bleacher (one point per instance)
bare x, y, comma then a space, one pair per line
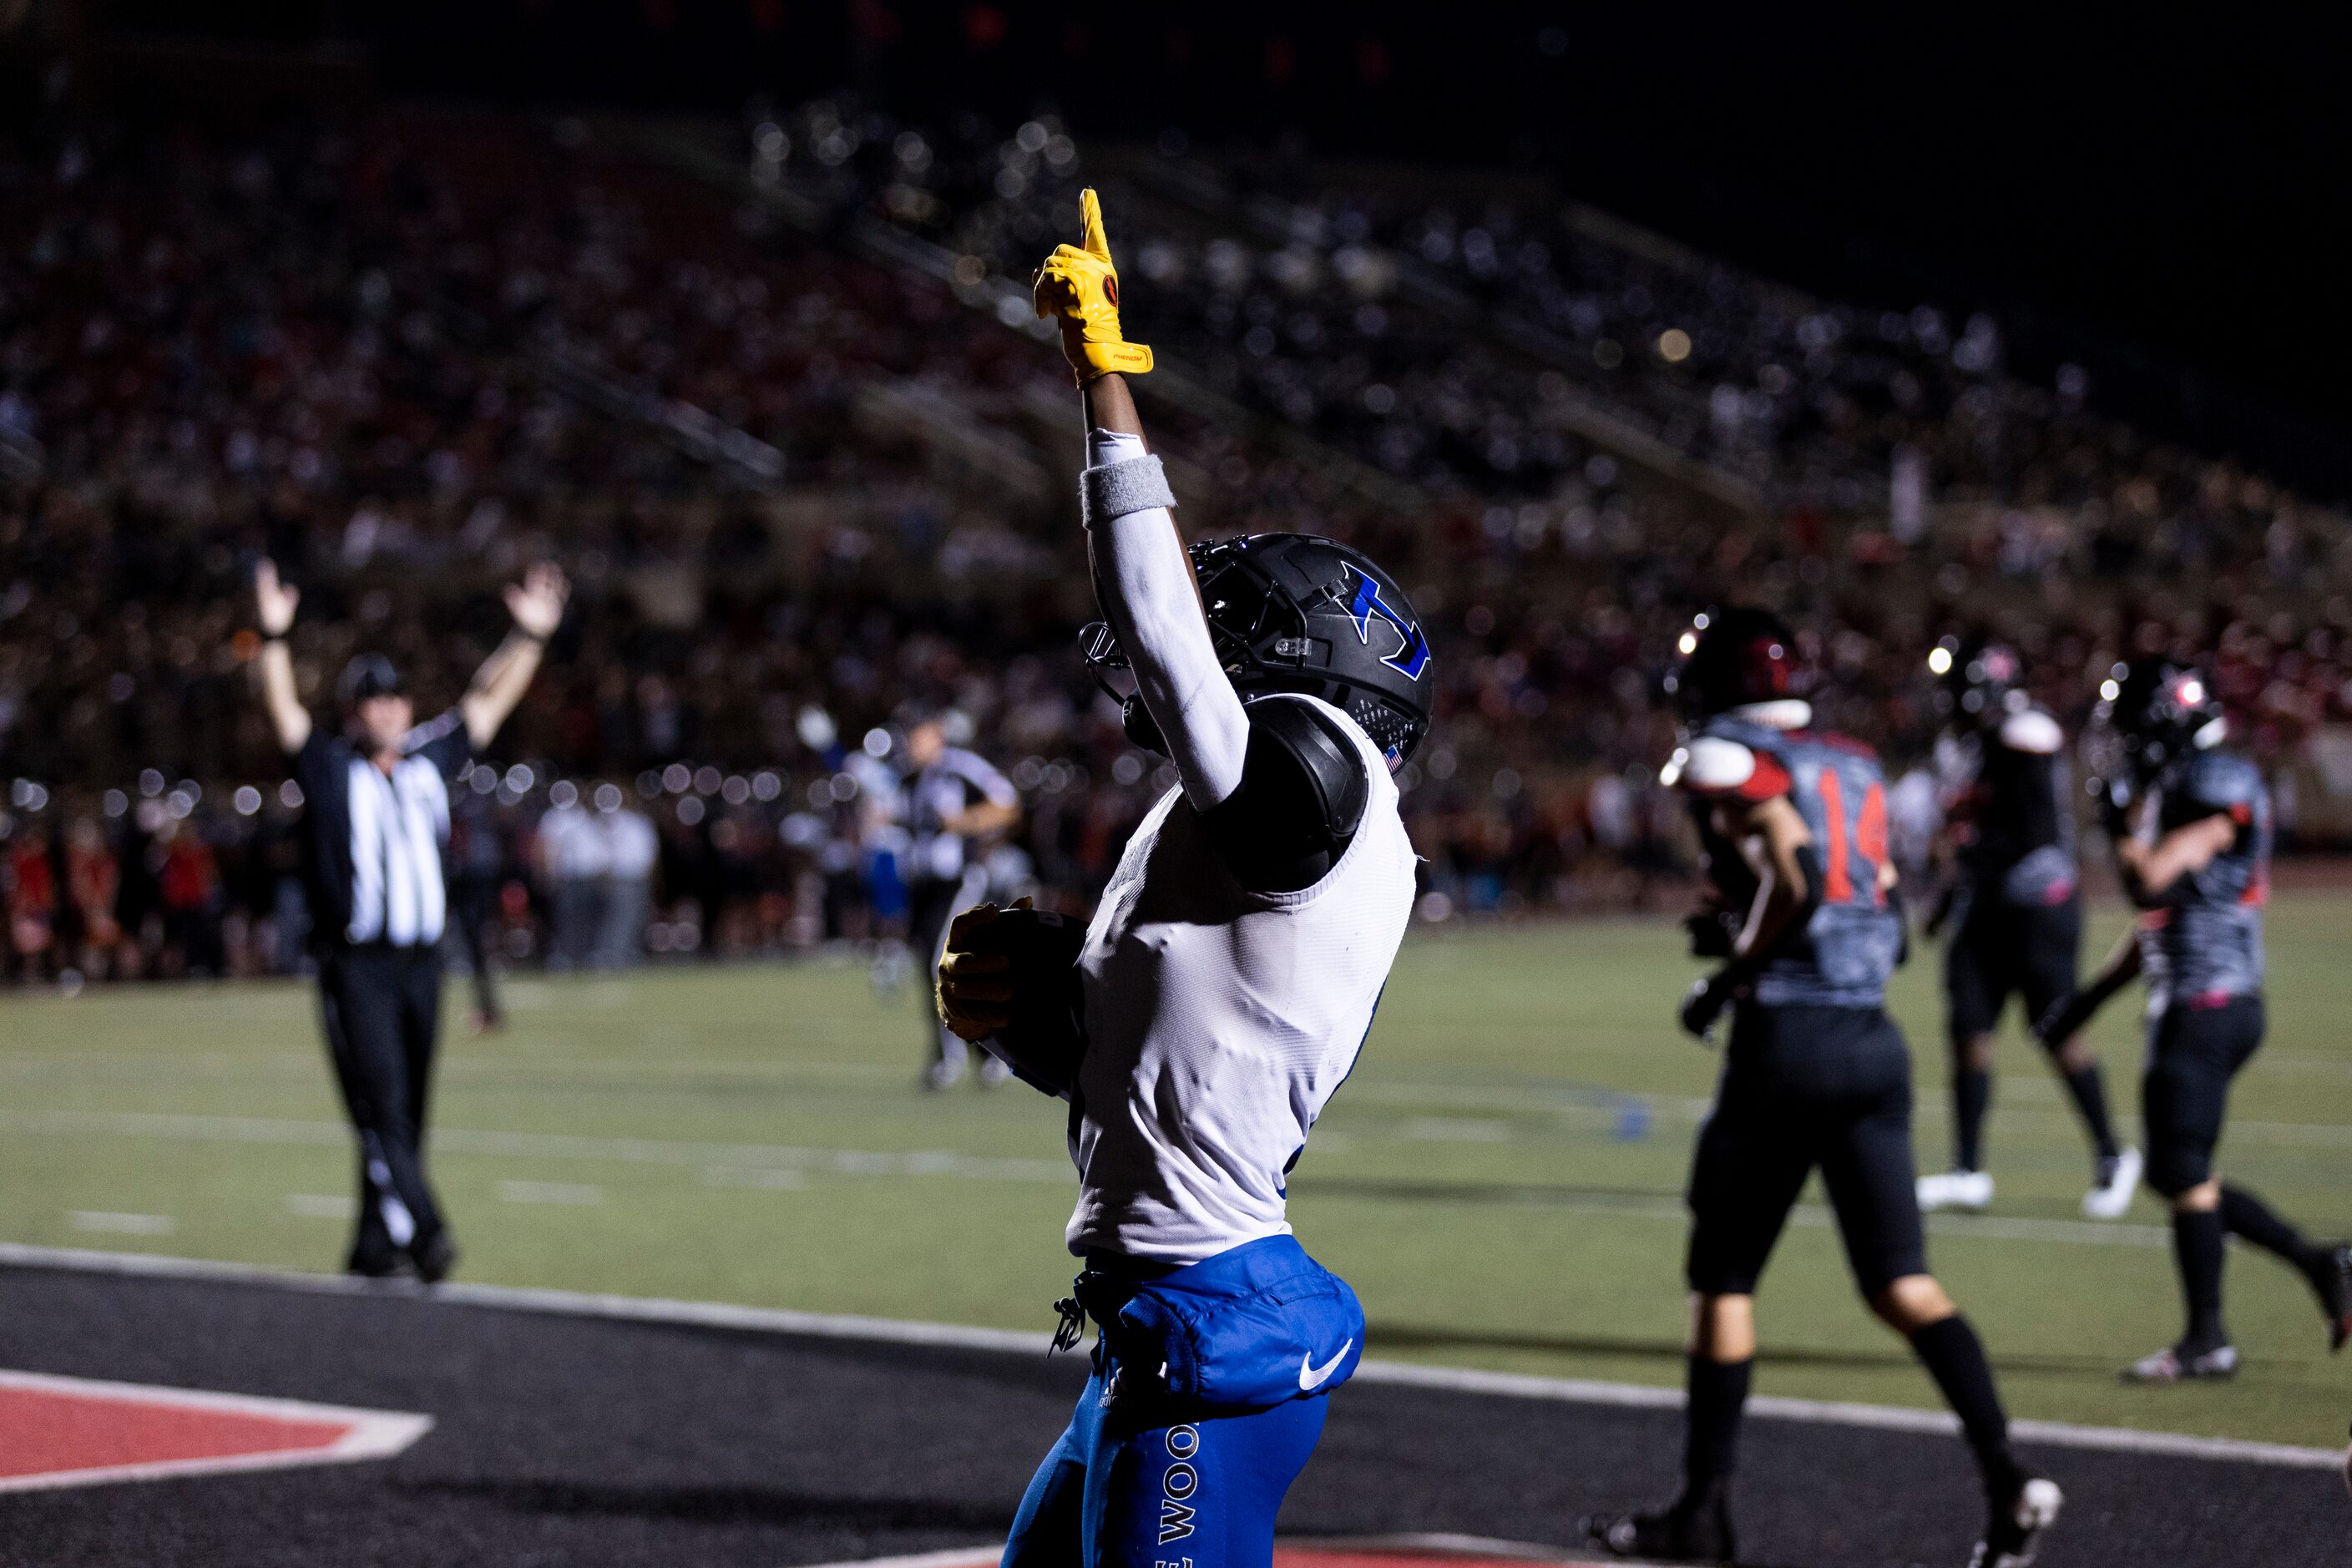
768, 390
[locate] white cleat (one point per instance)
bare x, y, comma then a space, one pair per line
2014, 1532
2168, 1365
2113, 1195
1970, 1190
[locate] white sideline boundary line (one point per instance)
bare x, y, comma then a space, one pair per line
1440, 1542
369, 1434
953, 1557
956, 1336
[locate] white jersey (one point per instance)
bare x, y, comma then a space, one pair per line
1219, 1021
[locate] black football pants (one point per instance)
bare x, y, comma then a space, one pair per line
1806, 1089
382, 1006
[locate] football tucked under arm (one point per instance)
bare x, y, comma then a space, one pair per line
1008, 982
1145, 582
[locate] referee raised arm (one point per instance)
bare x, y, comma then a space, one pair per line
375, 815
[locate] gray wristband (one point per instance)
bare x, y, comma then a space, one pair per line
1116, 489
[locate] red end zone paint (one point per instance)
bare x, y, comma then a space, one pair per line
42, 1432
69, 1431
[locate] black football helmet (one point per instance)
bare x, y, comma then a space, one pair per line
1977, 677
1293, 612
1732, 656
2157, 709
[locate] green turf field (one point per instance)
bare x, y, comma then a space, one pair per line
1499, 1179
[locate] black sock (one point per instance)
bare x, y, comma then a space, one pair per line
2197, 1248
2243, 1213
2090, 1092
1972, 1095
1954, 1358
1719, 1393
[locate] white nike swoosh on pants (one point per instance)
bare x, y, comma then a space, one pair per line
1311, 1377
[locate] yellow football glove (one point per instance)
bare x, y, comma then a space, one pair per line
1079, 286
974, 990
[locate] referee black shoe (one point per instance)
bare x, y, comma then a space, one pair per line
434, 1256
2017, 1523
1686, 1532
2334, 1283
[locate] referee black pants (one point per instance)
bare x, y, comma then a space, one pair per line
382, 1007
931, 904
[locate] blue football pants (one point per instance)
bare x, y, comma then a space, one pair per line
1136, 1483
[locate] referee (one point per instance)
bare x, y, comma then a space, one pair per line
950, 801
375, 816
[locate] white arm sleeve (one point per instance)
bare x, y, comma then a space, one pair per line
1146, 579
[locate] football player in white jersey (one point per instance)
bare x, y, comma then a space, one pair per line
1220, 994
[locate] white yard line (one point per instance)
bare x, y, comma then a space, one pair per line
578, 1195
146, 1124
745, 1162
108, 1223
891, 1331
321, 1205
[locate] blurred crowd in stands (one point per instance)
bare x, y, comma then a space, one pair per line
770, 396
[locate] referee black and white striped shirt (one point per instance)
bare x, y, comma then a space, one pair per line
954, 781
374, 840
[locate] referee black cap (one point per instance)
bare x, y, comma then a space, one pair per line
368, 675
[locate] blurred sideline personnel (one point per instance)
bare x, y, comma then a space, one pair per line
1793, 827
2191, 827
375, 808
2012, 911
951, 804
576, 859
1220, 996
477, 872
633, 847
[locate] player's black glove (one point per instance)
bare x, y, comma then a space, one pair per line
2066, 1017
1712, 932
1939, 913
1703, 1005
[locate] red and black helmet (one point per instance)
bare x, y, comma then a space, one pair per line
2159, 708
1732, 656
1977, 677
